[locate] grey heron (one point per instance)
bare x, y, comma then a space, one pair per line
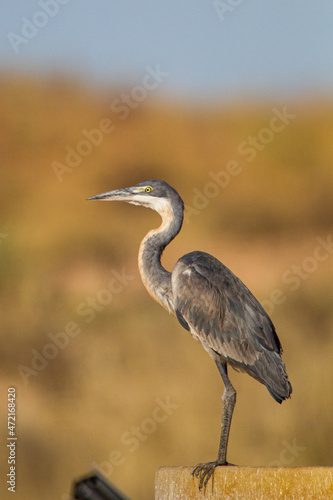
211, 303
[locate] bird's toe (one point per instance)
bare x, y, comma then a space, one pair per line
204, 471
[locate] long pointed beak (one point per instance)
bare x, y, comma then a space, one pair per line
118, 194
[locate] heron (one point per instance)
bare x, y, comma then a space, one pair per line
209, 301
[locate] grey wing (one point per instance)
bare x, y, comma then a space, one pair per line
221, 312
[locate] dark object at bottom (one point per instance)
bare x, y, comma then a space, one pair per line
95, 487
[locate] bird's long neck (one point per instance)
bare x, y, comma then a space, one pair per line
154, 276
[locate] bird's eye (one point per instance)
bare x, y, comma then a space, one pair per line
148, 189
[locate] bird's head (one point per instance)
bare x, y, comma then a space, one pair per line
154, 194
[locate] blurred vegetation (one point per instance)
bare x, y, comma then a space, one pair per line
57, 250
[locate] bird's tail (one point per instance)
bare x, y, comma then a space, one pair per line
279, 396
272, 373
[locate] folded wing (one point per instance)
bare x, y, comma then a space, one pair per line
222, 313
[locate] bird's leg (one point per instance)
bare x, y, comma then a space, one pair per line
204, 471
228, 401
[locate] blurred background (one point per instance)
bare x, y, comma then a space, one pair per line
230, 103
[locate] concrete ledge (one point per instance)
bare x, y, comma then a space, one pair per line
238, 483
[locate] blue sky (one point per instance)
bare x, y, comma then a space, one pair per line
245, 47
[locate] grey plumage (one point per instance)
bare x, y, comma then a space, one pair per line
228, 320
209, 301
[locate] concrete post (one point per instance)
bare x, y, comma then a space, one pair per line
247, 483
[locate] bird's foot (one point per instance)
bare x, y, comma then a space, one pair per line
204, 471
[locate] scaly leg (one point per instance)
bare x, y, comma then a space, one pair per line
204, 471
